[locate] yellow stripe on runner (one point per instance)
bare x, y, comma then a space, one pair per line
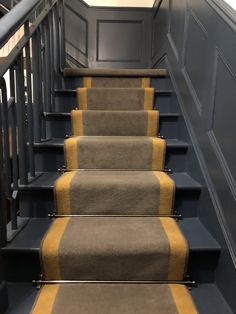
77, 122
50, 249
71, 152
183, 299
146, 82
87, 81
158, 153
178, 249
45, 301
153, 119
167, 192
62, 193
148, 98
82, 98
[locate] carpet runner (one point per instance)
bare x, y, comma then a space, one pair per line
114, 193
114, 248
115, 165
114, 299
122, 98
114, 123
115, 152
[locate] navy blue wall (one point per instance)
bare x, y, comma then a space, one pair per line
107, 37
196, 39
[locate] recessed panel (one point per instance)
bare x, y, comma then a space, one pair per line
119, 41
160, 27
223, 120
177, 24
76, 30
195, 57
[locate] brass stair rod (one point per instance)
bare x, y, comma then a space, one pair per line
177, 216
167, 170
189, 283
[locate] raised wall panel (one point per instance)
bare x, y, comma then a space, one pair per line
177, 16
223, 119
206, 88
195, 59
160, 28
119, 41
76, 30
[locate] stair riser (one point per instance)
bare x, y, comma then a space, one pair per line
59, 129
41, 203
165, 103
158, 83
22, 266
53, 158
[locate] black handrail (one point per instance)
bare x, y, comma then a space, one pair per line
15, 18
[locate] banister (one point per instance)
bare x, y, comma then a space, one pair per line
33, 70
15, 18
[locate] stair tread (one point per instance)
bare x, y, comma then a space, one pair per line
116, 299
46, 181
31, 236
59, 142
197, 235
184, 181
207, 298
115, 248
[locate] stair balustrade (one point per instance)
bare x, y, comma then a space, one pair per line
29, 73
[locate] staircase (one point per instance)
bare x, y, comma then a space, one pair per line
106, 205
123, 234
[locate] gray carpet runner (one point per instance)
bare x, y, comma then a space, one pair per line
115, 179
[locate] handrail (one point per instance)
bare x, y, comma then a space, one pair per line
15, 18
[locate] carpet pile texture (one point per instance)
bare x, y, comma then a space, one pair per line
115, 179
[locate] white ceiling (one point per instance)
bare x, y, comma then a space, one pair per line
121, 3
232, 3
135, 3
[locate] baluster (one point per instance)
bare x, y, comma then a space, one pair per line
20, 109
29, 105
42, 62
47, 65
3, 230
12, 116
62, 34
52, 76
37, 86
56, 53
5, 124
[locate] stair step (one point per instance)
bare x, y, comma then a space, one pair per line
66, 100
58, 124
40, 192
114, 193
45, 181
50, 156
207, 299
116, 298
27, 243
184, 181
115, 152
114, 248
